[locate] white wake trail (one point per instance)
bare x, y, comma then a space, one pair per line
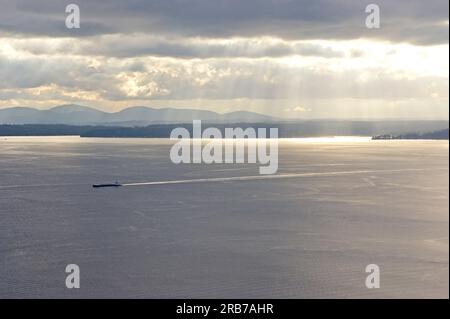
278, 176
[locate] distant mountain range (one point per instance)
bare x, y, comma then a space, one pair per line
152, 122
133, 116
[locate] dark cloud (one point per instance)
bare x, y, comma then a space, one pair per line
183, 48
414, 21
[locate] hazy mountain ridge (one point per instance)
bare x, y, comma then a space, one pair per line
132, 116
286, 129
140, 121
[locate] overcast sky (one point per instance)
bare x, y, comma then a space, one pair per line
289, 58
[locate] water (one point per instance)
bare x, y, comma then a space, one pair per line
337, 206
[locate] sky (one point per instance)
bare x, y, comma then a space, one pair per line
286, 58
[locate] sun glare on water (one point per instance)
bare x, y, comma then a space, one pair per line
330, 139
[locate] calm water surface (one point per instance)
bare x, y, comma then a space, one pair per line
301, 237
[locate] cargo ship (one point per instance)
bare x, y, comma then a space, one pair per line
116, 184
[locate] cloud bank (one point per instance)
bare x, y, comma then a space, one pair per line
265, 55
